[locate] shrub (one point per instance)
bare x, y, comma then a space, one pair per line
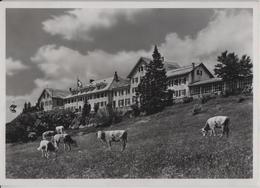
136, 110
187, 99
240, 99
205, 98
197, 108
103, 117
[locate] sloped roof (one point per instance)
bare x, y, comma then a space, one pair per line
212, 80
95, 86
120, 83
181, 70
186, 70
57, 93
168, 65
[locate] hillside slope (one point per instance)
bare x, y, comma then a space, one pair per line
165, 145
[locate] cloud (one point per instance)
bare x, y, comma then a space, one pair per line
14, 66
77, 24
228, 30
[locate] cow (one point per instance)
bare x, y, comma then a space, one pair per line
48, 135
216, 122
60, 129
46, 147
66, 139
113, 136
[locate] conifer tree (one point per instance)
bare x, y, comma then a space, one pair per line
153, 86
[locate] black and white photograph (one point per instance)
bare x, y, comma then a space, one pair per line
129, 93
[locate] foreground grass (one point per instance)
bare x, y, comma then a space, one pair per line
164, 145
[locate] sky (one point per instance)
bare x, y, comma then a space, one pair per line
52, 47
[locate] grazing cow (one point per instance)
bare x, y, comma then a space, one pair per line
48, 135
66, 139
60, 129
216, 122
46, 147
113, 136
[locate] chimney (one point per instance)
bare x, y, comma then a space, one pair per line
116, 77
192, 72
91, 80
193, 65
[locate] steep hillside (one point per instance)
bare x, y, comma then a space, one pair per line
165, 145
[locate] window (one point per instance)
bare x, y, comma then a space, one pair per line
114, 103
127, 102
184, 80
101, 104
115, 93
199, 72
136, 80
133, 90
133, 99
207, 89
142, 68
133, 80
176, 82
121, 103
102, 95
184, 92
127, 91
122, 92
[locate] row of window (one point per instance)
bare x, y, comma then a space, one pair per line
89, 97
179, 93
123, 102
176, 82
134, 89
207, 89
199, 72
121, 92
47, 103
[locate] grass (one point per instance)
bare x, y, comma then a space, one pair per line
163, 145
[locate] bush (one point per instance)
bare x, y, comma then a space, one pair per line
205, 98
240, 99
136, 110
196, 109
187, 99
103, 117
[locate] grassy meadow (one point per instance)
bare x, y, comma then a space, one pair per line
164, 145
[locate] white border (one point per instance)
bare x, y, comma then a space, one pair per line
133, 182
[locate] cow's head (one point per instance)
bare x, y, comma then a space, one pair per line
203, 131
101, 135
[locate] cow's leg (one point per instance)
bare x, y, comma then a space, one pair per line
69, 147
124, 145
64, 145
210, 132
42, 152
222, 131
109, 145
214, 132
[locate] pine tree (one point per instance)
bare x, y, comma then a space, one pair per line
231, 69
25, 108
85, 112
153, 86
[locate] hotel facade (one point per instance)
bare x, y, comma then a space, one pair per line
193, 80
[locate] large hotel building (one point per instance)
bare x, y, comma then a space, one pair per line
193, 80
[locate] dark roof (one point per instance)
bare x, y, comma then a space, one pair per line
168, 65
212, 80
57, 93
187, 69
181, 71
120, 83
